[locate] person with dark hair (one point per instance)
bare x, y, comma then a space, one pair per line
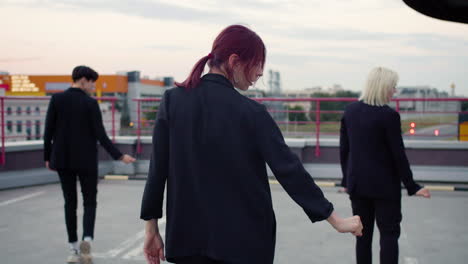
211, 145
85, 72
72, 128
374, 164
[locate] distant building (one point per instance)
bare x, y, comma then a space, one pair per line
277, 109
425, 92
144, 88
308, 93
24, 117
253, 93
274, 83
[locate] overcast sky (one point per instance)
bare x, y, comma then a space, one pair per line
309, 42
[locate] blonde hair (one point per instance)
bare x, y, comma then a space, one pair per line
380, 82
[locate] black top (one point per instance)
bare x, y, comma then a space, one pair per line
373, 158
211, 144
73, 127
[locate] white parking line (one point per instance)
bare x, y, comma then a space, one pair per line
21, 198
406, 246
122, 247
125, 245
403, 235
408, 260
138, 251
135, 252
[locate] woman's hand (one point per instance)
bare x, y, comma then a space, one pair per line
343, 190
423, 192
127, 159
153, 247
351, 225
47, 164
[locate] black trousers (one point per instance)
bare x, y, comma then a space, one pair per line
387, 214
197, 260
88, 181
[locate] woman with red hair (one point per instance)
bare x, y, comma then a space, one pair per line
210, 147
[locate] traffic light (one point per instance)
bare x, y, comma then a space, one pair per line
412, 130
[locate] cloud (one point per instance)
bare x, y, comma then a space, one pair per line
13, 60
337, 40
170, 48
451, 45
141, 8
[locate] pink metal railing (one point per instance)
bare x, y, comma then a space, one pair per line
317, 112
35, 118
145, 113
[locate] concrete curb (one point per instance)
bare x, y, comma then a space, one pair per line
445, 188
116, 177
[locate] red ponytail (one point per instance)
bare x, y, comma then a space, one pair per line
235, 39
194, 78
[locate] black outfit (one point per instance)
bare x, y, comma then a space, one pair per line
211, 144
198, 260
73, 127
374, 163
88, 181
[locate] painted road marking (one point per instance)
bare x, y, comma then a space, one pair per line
127, 244
112, 253
116, 177
318, 183
22, 198
138, 251
408, 260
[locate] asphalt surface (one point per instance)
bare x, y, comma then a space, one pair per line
32, 228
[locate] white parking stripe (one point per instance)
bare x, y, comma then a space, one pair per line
408, 260
7, 202
122, 247
125, 245
406, 246
138, 251
135, 252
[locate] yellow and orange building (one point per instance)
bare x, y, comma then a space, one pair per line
24, 116
41, 85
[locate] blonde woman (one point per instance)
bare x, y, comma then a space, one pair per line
374, 164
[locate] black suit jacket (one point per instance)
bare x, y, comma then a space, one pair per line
373, 158
73, 127
210, 144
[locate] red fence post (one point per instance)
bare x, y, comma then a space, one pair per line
138, 128
317, 128
2, 105
113, 121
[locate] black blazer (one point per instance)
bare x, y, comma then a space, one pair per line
73, 127
210, 144
373, 158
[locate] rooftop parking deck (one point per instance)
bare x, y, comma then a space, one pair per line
32, 229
